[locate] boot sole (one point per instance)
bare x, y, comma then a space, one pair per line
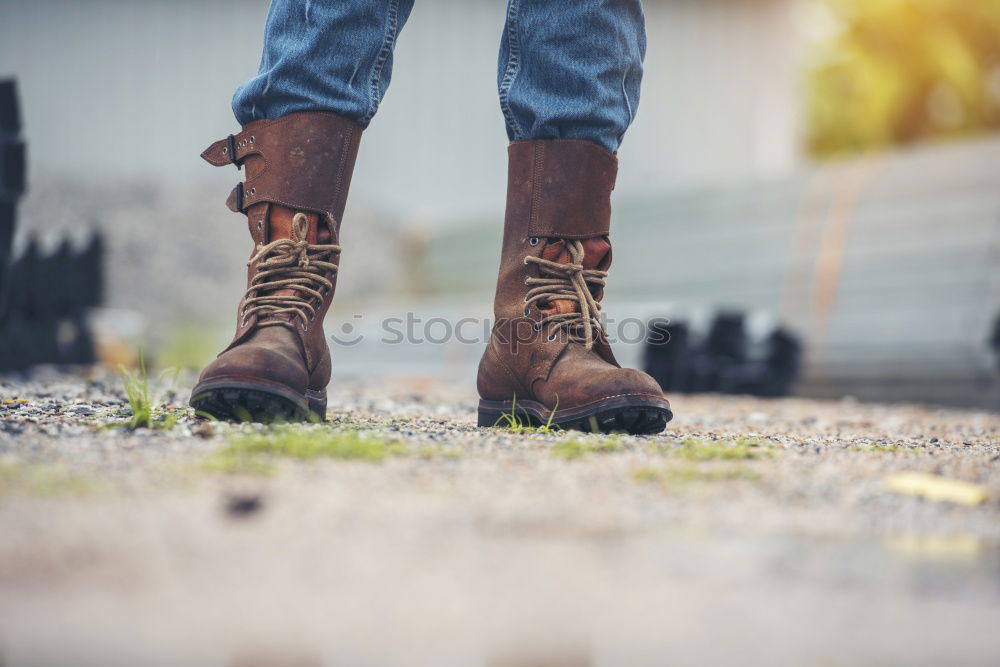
635, 415
235, 400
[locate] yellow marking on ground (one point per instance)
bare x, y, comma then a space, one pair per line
936, 488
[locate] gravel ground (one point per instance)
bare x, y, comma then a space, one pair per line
781, 544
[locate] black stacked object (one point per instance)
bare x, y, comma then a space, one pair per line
12, 168
723, 361
43, 298
994, 340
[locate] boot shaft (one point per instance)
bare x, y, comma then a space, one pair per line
548, 360
298, 165
557, 190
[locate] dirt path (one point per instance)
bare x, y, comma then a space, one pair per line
758, 532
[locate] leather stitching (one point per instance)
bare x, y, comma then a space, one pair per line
345, 147
536, 191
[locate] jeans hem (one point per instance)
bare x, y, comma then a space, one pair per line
389, 40
512, 69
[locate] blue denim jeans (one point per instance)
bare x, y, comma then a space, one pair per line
568, 69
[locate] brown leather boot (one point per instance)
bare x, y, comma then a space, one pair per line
298, 171
548, 359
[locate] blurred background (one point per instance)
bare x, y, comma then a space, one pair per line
826, 169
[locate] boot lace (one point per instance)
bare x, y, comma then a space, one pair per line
568, 282
290, 264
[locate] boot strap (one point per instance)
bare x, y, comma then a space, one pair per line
569, 183
308, 161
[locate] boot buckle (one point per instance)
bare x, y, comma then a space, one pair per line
231, 149
239, 196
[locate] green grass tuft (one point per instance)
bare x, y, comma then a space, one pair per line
514, 424
142, 401
297, 443
256, 453
720, 450
577, 448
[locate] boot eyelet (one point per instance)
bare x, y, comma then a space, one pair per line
252, 139
225, 151
260, 224
246, 321
253, 191
551, 338
533, 241
527, 311
538, 326
304, 328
